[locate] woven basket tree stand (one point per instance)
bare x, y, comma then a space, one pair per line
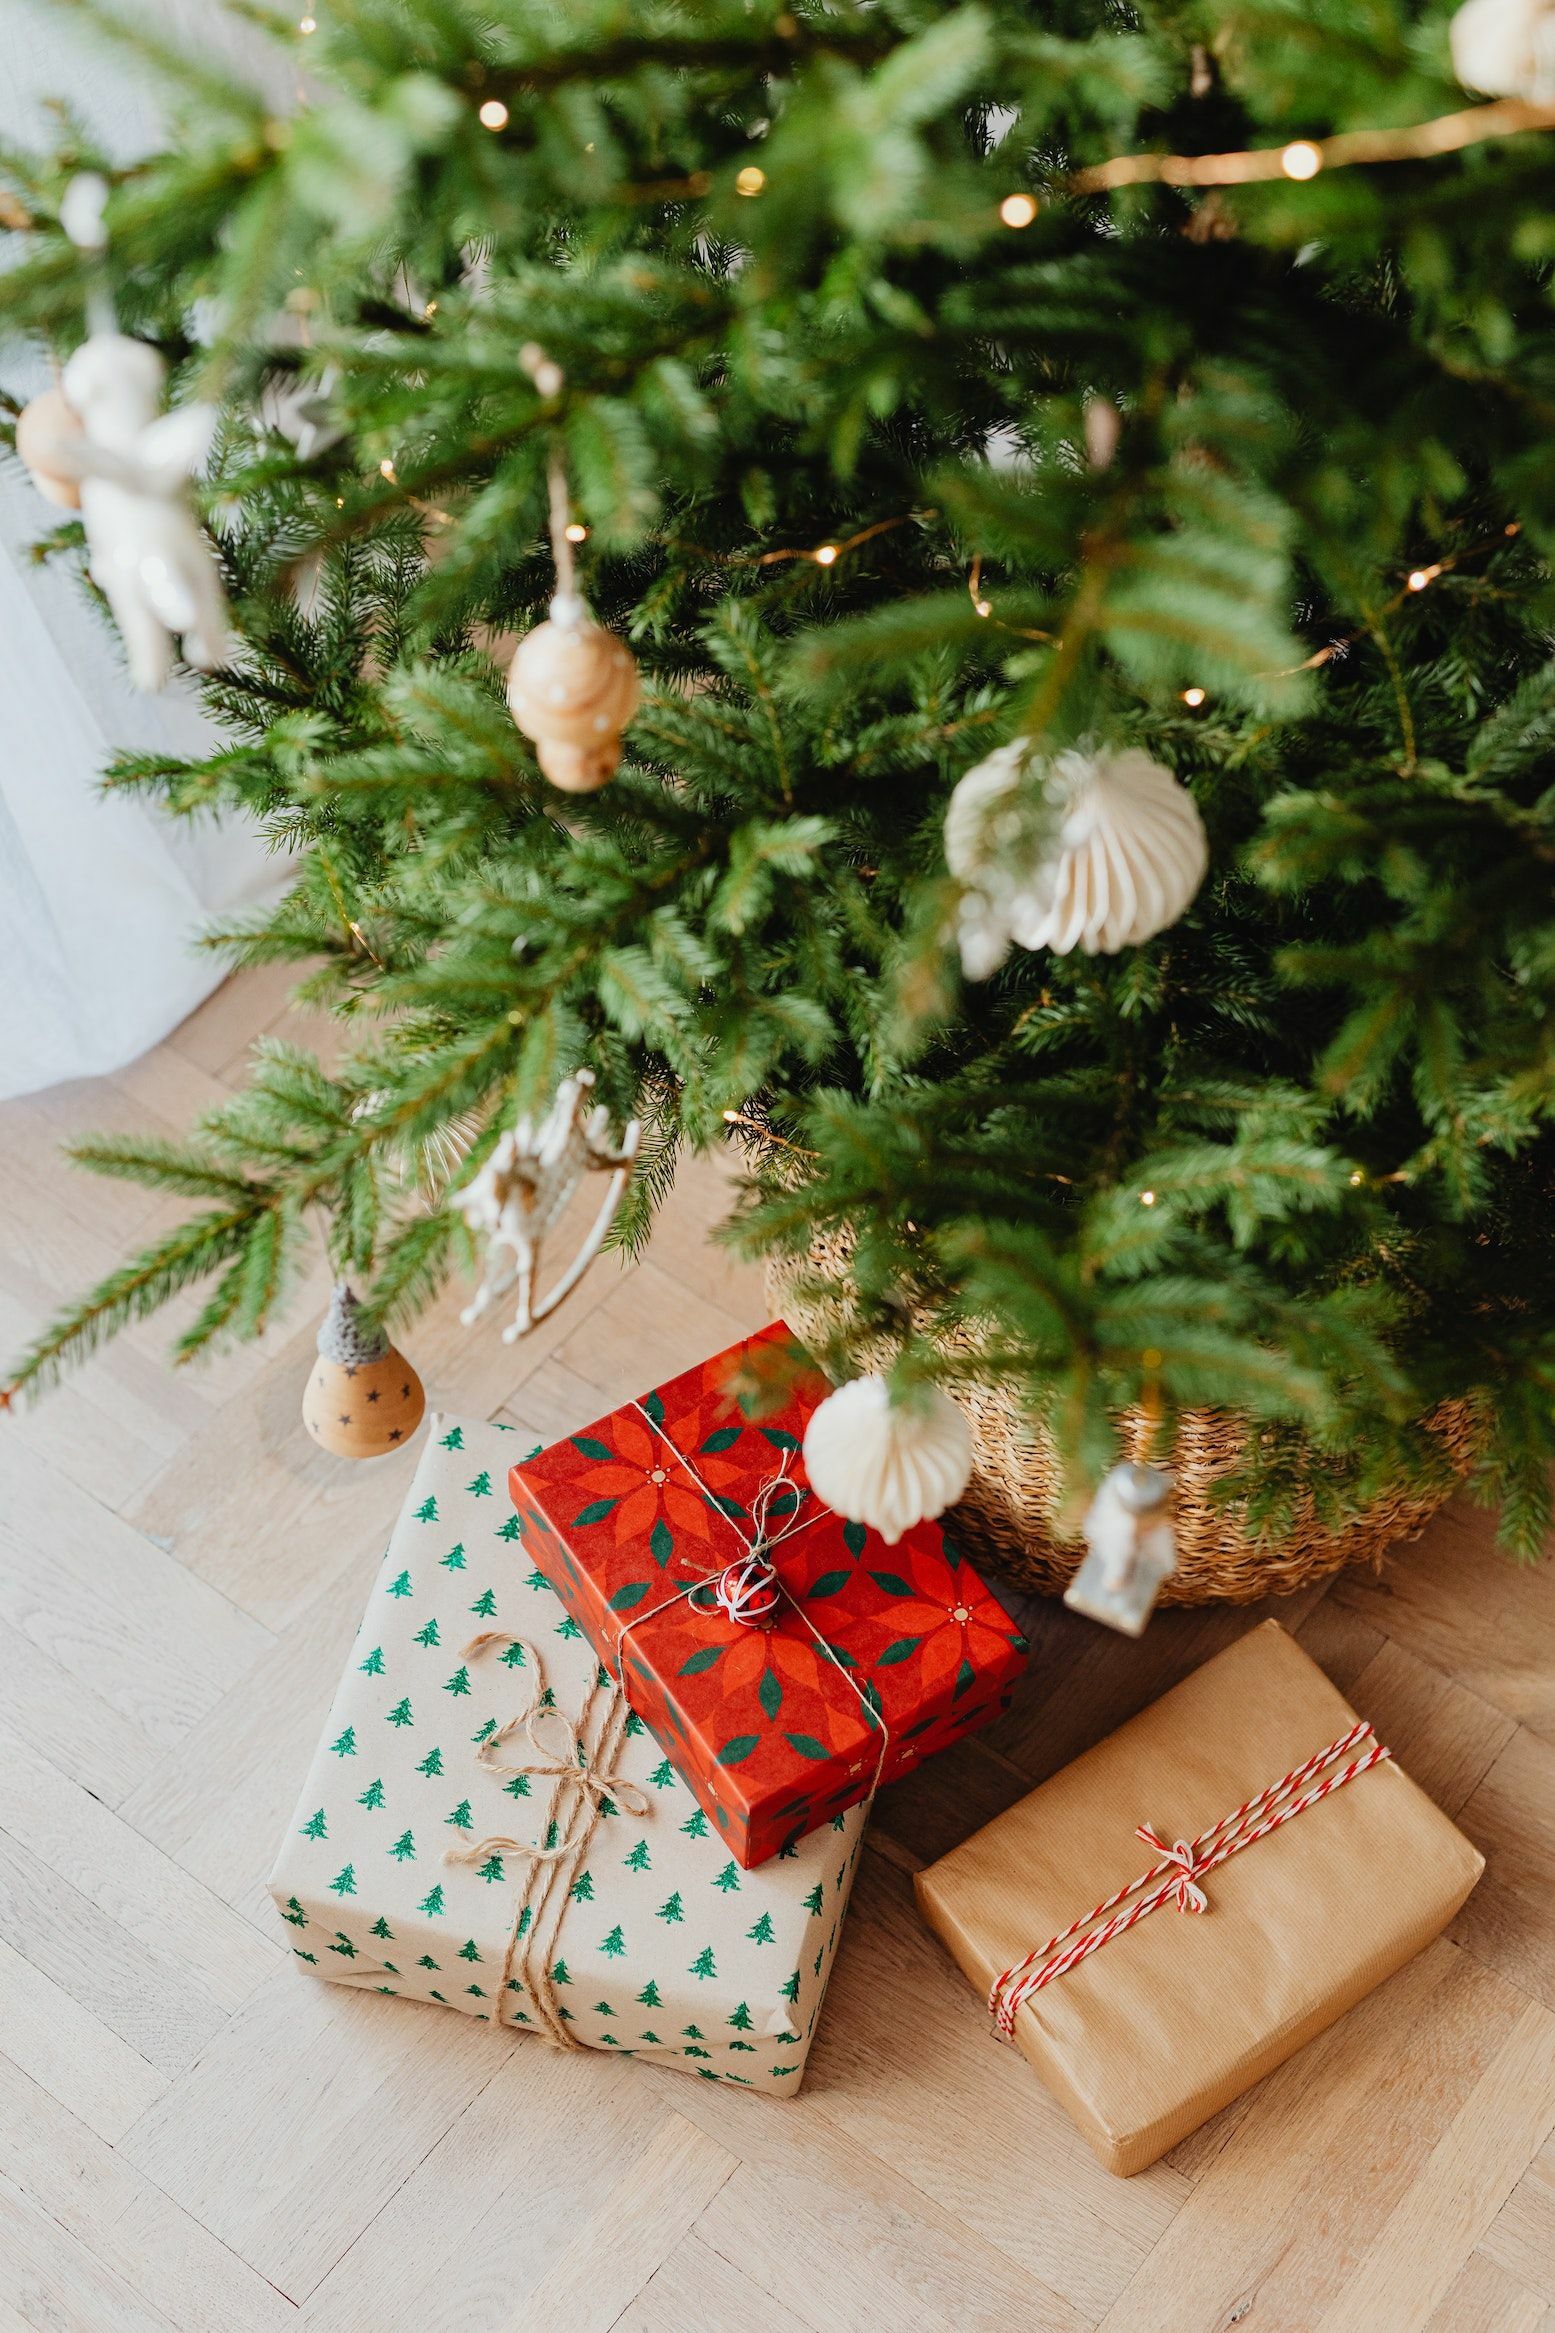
1008, 1520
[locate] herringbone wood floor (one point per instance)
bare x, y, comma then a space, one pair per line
197, 2136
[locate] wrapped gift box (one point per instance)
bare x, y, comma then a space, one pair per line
644, 1937
875, 1656
1146, 2036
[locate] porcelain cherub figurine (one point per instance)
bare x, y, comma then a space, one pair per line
147, 551
1131, 1549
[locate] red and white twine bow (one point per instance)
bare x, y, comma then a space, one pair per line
1184, 1890
1175, 1879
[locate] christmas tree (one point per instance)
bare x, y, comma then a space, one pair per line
903, 383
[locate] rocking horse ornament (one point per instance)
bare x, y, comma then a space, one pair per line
523, 1189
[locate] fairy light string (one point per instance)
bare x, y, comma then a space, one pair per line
1305, 158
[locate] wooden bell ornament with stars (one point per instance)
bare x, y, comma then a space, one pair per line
363, 1398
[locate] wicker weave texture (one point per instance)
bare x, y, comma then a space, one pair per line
1009, 1523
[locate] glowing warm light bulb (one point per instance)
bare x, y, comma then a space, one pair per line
386, 468
307, 24
1417, 579
576, 533
984, 607
1357, 1177
1302, 160
1018, 210
1193, 698
1147, 1198
493, 114
750, 180
826, 554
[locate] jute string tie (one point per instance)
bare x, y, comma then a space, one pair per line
559, 1755
574, 1757
1175, 1878
752, 1578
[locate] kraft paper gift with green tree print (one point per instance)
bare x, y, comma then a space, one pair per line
405, 1868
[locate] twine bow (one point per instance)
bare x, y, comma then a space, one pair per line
749, 1590
1186, 1894
562, 1759
1174, 1879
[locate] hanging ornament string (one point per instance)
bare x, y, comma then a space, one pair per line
757, 1547
1175, 1878
572, 686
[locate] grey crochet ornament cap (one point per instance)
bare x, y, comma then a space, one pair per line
345, 1336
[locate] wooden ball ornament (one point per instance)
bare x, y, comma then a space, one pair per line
572, 688
363, 1398
46, 424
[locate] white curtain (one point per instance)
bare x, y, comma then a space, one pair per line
102, 898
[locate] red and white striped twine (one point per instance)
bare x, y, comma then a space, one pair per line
1183, 1864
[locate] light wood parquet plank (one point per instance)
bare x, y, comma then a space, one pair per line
251, 1507
115, 1868
301, 2119
1509, 1920
1484, 2299
1522, 2238
804, 2241
219, 1802
59, 1715
1283, 2223
129, 2227
66, 2049
697, 2291
543, 2153
126, 1618
906, 2067
143, 1993
1455, 1600
1416, 2256
820, 2221
663, 2193
55, 2285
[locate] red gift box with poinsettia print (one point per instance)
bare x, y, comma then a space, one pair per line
875, 1656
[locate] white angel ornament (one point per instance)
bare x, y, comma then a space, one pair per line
1131, 1549
147, 551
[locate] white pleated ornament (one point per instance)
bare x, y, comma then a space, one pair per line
887, 1464
1127, 855
1505, 48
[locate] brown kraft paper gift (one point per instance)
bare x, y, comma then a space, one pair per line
1162, 2026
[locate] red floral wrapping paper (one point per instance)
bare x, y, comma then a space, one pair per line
877, 1655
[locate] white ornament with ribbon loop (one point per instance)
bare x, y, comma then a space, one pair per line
885, 1462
